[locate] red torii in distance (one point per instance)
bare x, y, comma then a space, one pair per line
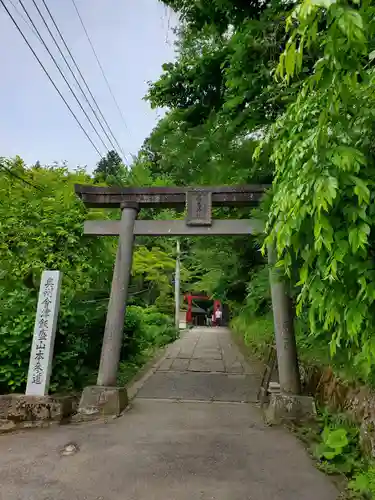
190, 297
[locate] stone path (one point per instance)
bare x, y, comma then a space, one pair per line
203, 365
187, 436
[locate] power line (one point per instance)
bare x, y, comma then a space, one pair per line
99, 64
49, 77
73, 74
84, 80
62, 74
16, 176
167, 12
22, 17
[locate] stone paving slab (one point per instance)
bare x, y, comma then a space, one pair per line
180, 365
236, 367
208, 354
201, 386
172, 353
185, 355
206, 365
166, 364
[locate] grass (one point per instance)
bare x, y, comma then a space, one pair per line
257, 332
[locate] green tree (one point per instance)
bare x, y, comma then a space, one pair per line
41, 228
222, 96
110, 170
41, 225
322, 213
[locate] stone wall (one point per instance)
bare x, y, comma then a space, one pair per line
357, 401
18, 411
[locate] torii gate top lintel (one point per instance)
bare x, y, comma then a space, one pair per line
167, 197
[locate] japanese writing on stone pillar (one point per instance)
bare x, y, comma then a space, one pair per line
44, 334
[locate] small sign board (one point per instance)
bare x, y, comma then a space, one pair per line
44, 334
199, 207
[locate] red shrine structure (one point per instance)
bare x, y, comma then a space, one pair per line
190, 297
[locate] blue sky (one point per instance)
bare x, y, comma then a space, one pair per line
132, 38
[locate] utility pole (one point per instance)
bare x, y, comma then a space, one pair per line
177, 286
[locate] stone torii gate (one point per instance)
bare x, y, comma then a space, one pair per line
198, 201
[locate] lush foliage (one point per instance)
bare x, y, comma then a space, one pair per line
146, 329
153, 269
335, 442
300, 80
110, 170
221, 94
41, 222
322, 214
43, 229
363, 484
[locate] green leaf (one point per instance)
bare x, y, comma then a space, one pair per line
354, 239
342, 248
290, 59
360, 483
329, 455
323, 3
337, 439
303, 274
361, 190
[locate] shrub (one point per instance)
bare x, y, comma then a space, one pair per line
42, 229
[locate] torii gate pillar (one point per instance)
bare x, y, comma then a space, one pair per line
113, 333
105, 397
283, 319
